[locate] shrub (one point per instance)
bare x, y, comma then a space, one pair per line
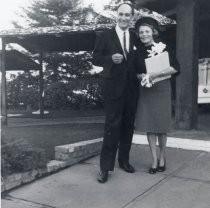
18, 157
55, 96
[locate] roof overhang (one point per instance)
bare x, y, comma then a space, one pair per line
58, 38
169, 7
16, 61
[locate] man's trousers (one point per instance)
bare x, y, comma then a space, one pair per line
119, 127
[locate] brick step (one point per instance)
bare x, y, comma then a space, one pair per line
76, 152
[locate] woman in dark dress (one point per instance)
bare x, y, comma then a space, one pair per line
154, 105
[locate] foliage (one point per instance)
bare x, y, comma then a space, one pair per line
65, 73
59, 12
77, 94
21, 157
65, 66
48, 12
23, 90
87, 94
56, 96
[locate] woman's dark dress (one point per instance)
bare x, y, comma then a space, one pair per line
154, 104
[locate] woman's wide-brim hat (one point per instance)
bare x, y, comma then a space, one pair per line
148, 21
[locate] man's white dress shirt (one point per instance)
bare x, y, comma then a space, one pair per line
120, 34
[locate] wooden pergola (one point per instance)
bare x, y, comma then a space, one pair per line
192, 31
39, 41
12, 60
18, 61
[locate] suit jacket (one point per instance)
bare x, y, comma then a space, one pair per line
116, 76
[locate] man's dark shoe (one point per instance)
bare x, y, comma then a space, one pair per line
126, 167
102, 176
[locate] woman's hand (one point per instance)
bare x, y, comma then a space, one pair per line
140, 76
152, 77
145, 82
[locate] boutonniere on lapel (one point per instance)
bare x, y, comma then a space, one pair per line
134, 48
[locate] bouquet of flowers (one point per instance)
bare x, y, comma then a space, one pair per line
157, 61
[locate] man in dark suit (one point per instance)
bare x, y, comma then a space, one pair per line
115, 52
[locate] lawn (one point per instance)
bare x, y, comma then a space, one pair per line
66, 127
49, 136
56, 113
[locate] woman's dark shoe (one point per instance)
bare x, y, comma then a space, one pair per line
162, 168
152, 170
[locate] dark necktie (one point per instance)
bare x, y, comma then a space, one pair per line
124, 45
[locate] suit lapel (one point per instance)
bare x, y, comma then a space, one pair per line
131, 42
116, 40
130, 45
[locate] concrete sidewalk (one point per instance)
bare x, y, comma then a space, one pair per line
185, 184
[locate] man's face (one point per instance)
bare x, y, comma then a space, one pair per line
124, 16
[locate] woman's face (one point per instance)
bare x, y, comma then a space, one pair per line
146, 35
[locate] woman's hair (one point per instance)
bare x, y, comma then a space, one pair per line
150, 22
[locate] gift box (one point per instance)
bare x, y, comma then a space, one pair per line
157, 64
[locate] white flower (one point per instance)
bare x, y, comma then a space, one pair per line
156, 49
146, 81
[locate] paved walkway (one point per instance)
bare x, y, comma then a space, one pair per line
185, 184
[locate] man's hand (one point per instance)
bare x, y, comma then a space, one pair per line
117, 58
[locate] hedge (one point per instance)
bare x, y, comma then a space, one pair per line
20, 157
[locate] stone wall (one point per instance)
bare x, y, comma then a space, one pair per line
65, 156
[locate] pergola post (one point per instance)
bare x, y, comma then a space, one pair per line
3, 85
41, 85
187, 54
